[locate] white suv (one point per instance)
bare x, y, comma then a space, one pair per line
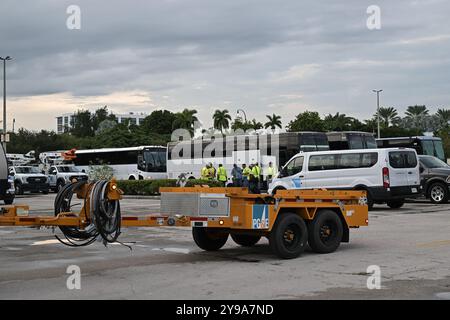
388, 175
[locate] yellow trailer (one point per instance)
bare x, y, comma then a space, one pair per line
291, 219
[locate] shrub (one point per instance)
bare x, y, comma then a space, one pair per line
151, 187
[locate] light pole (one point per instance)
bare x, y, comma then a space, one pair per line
245, 116
378, 111
4, 99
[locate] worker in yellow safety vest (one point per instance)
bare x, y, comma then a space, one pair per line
270, 172
254, 179
222, 175
245, 174
204, 172
211, 172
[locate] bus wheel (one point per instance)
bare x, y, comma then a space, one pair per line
289, 236
274, 192
325, 232
131, 178
245, 240
209, 239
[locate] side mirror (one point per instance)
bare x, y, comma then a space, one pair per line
421, 169
12, 173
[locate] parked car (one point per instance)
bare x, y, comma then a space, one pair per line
435, 178
6, 183
29, 178
388, 175
58, 176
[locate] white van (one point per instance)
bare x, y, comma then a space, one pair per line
388, 175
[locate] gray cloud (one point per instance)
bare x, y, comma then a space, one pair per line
271, 56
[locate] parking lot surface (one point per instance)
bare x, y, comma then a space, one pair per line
411, 247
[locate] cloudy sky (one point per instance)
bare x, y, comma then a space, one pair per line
267, 57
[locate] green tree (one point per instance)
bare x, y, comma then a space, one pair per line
388, 117
417, 118
273, 122
159, 121
306, 121
338, 122
221, 119
82, 125
185, 120
443, 117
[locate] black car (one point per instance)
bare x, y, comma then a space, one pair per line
435, 178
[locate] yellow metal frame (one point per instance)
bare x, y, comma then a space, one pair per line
306, 203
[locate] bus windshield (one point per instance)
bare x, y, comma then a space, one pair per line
154, 160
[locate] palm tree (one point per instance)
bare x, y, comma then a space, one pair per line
389, 116
255, 125
413, 111
337, 122
443, 117
221, 120
185, 120
273, 123
416, 117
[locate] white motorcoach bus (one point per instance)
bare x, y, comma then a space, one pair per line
133, 163
188, 157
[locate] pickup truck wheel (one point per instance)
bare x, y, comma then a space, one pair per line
209, 239
45, 192
438, 193
289, 236
9, 201
325, 232
245, 240
18, 188
59, 186
396, 204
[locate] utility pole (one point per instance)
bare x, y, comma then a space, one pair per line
378, 111
4, 99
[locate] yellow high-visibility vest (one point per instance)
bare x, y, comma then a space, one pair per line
211, 173
270, 171
204, 173
221, 174
255, 172
246, 172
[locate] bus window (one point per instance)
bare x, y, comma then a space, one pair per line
155, 160
370, 142
355, 141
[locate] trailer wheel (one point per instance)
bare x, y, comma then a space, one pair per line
245, 240
325, 232
209, 239
289, 236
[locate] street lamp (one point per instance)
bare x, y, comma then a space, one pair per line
378, 110
4, 99
241, 110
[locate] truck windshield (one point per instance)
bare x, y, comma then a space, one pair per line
432, 162
68, 169
27, 170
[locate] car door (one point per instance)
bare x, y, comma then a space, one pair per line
398, 173
322, 171
292, 176
412, 164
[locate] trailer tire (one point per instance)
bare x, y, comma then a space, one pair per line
245, 240
289, 236
209, 239
325, 232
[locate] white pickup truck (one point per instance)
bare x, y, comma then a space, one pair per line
28, 178
59, 175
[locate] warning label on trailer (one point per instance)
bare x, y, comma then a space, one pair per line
260, 216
